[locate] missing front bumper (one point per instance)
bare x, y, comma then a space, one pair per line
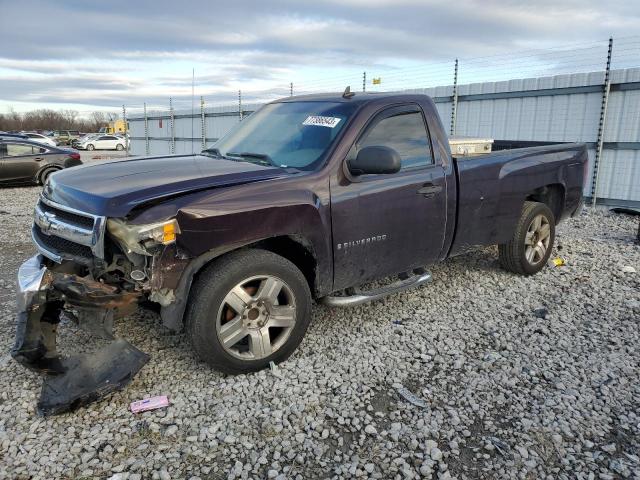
71, 382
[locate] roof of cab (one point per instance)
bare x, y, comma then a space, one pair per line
356, 97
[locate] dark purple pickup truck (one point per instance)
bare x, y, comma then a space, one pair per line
307, 199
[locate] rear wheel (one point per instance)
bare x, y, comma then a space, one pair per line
119, 147
530, 247
44, 175
247, 309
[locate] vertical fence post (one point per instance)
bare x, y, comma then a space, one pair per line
146, 130
240, 104
203, 125
454, 105
193, 115
601, 125
126, 129
291, 89
172, 144
364, 81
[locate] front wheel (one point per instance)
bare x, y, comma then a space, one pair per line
90, 147
119, 147
247, 309
530, 247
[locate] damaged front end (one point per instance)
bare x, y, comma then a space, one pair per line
91, 270
44, 296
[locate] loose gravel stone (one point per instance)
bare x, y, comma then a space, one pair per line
542, 370
436, 454
371, 430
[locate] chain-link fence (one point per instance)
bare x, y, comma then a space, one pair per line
588, 92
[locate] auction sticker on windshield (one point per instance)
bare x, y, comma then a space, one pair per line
319, 121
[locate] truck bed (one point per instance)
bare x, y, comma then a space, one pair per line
492, 187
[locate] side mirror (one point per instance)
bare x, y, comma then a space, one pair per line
375, 160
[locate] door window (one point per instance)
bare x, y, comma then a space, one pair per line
18, 149
406, 134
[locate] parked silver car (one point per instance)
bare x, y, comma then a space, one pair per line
103, 142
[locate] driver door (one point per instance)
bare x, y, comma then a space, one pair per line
390, 223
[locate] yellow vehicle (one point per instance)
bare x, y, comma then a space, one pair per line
117, 126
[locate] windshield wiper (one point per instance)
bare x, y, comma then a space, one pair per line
212, 152
261, 157
215, 153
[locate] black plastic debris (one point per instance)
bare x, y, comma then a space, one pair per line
91, 377
541, 313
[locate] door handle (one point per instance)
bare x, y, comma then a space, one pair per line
429, 190
38, 159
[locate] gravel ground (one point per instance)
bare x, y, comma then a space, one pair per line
511, 377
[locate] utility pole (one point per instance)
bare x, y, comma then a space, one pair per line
240, 104
603, 118
291, 89
364, 81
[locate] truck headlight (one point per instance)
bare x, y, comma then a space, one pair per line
136, 238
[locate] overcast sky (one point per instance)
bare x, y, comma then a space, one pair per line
86, 55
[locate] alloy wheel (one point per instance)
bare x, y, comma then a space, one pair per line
537, 239
256, 317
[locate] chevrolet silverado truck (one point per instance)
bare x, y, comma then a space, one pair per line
308, 199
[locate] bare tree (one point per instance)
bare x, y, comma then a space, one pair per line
46, 119
98, 120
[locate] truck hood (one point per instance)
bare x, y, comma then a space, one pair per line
113, 189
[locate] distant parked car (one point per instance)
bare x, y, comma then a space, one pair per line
38, 137
13, 135
85, 138
65, 137
25, 161
104, 142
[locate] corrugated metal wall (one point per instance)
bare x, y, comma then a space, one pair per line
218, 121
562, 108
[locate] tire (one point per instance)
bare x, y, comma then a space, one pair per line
530, 247
119, 147
44, 175
90, 147
240, 278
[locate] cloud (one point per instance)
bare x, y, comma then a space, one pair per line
69, 50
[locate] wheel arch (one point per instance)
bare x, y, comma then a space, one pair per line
552, 195
295, 248
46, 168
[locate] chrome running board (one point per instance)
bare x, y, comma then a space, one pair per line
358, 297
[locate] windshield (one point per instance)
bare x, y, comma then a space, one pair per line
296, 134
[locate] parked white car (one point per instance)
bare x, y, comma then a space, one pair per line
103, 142
37, 137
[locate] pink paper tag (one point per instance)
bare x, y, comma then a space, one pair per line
150, 404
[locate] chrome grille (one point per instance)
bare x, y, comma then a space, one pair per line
63, 233
69, 217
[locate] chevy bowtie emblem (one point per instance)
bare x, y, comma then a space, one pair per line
46, 219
